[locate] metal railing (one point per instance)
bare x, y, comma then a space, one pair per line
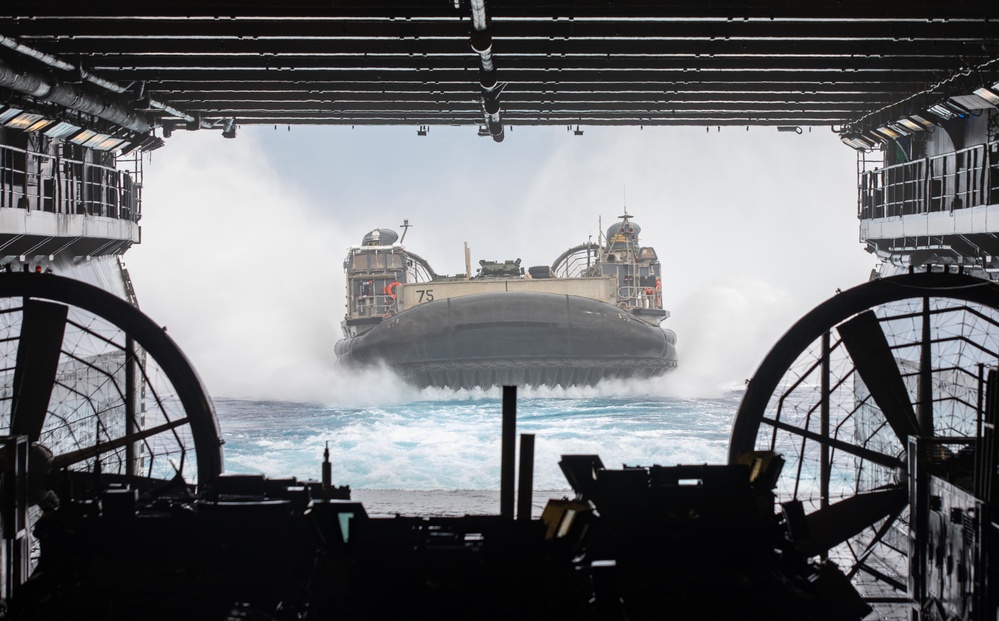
638, 297
373, 306
57, 184
965, 178
576, 262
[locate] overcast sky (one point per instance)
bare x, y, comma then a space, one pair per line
243, 240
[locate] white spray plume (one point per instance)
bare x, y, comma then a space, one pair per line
243, 240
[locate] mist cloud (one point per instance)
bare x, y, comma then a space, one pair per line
243, 239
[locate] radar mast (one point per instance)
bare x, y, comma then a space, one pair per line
405, 229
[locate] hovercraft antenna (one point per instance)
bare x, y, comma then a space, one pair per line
405, 229
625, 216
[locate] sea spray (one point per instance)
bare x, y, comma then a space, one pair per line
724, 331
385, 434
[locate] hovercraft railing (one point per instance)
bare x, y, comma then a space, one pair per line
377, 305
638, 297
576, 261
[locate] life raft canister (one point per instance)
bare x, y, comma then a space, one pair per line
390, 288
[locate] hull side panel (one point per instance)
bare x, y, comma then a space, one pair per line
513, 338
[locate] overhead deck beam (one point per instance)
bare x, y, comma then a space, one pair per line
205, 89
527, 118
165, 65
545, 10
666, 77
513, 46
454, 26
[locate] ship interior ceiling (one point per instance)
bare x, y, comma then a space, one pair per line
161, 66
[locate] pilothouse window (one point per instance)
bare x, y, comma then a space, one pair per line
360, 262
373, 261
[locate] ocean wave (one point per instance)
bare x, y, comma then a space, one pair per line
455, 443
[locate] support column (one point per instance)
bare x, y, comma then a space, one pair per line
525, 481
131, 400
925, 387
508, 451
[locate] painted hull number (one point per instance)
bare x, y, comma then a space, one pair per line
425, 295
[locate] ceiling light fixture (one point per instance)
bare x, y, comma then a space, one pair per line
989, 95
971, 102
23, 120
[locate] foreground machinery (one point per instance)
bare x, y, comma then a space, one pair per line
858, 484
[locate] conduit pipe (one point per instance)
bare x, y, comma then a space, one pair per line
56, 63
52, 61
479, 15
174, 112
70, 96
482, 44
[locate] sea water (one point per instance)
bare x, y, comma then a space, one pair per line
438, 452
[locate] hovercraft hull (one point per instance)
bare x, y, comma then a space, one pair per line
510, 338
